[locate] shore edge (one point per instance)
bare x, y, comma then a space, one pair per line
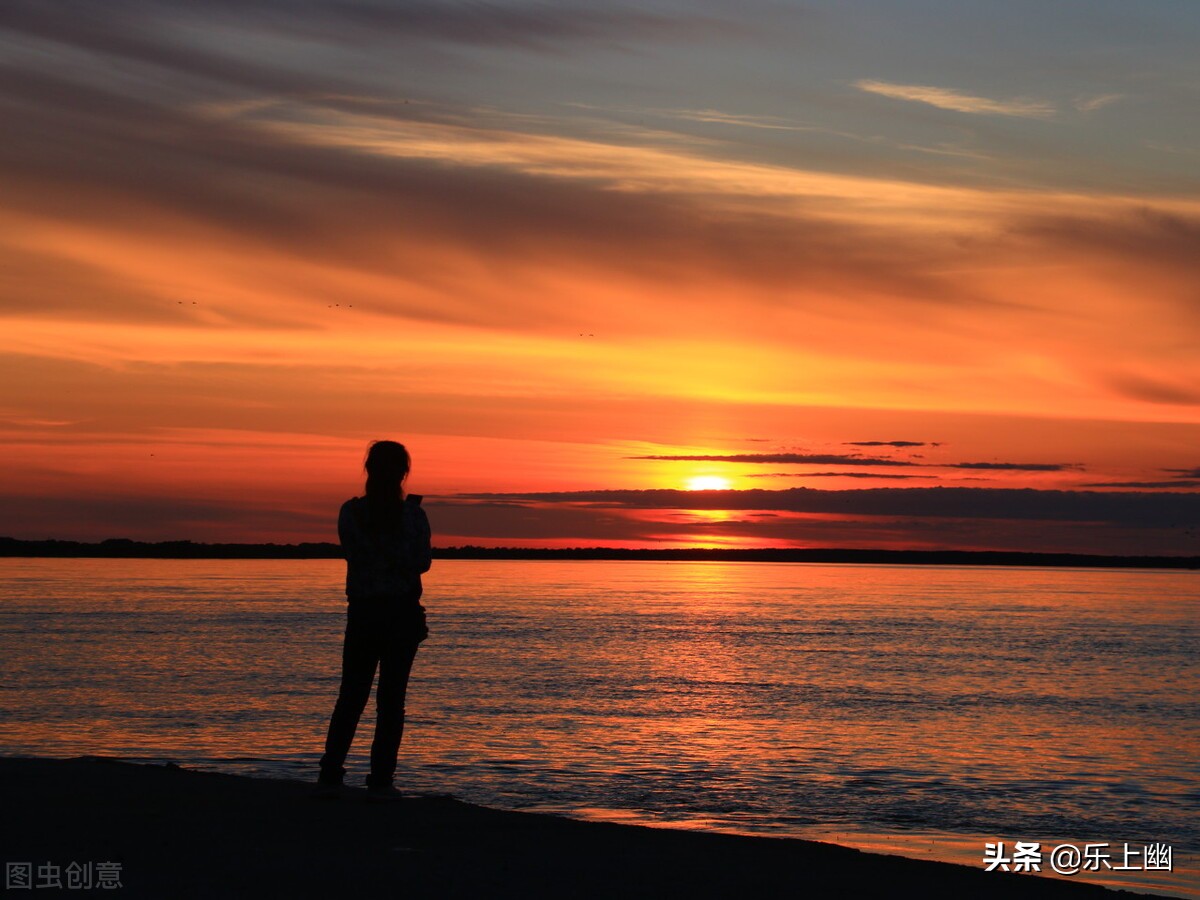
184, 833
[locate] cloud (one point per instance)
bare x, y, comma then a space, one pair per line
147, 172
90, 518
1097, 101
262, 184
1155, 389
1134, 510
832, 475
944, 98
823, 459
35, 280
889, 444
302, 180
1012, 467
537, 26
851, 460
123, 30
1144, 485
1167, 238
1183, 478
770, 123
1185, 473
537, 524
637, 162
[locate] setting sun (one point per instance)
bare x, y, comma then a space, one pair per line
708, 483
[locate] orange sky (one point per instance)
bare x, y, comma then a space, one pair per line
235, 248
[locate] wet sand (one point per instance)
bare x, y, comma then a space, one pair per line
179, 833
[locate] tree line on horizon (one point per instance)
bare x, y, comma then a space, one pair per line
126, 548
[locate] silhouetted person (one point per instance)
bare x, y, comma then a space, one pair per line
385, 537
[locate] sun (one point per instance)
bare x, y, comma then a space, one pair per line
708, 483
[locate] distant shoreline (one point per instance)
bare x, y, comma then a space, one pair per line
120, 548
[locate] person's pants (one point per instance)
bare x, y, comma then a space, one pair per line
375, 636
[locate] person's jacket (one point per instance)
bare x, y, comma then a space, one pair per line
385, 559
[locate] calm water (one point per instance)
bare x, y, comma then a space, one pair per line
917, 710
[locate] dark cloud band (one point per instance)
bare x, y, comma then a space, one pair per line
836, 459
888, 444
1148, 510
820, 459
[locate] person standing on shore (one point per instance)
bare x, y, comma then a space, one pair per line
385, 537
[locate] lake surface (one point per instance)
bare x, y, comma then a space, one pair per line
914, 710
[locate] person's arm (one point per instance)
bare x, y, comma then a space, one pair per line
349, 533
418, 539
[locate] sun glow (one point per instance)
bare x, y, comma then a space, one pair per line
708, 483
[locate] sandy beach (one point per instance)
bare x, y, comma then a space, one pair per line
182, 833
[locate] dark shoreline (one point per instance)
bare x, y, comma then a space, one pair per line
180, 833
120, 548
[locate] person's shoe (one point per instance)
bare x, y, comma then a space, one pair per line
329, 785
327, 791
383, 793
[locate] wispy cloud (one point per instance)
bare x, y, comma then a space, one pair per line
946, 98
1097, 101
537, 26
1164, 147
717, 116
725, 118
623, 166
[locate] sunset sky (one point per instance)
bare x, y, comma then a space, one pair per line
858, 274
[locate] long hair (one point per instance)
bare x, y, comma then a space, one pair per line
387, 466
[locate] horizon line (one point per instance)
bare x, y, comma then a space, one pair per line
113, 547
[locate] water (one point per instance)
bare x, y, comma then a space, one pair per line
914, 710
